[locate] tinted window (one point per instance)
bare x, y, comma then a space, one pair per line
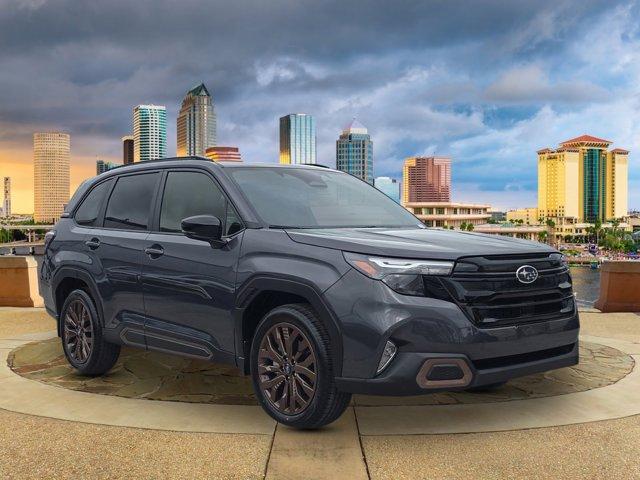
130, 202
317, 198
87, 213
187, 194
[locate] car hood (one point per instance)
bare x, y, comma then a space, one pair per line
426, 243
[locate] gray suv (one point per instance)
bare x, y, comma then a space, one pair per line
309, 280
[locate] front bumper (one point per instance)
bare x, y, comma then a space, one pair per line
426, 329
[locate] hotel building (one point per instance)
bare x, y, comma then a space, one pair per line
51, 156
529, 216
354, 152
449, 214
426, 179
297, 139
582, 181
223, 154
149, 132
196, 123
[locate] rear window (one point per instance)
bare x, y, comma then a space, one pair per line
89, 210
129, 206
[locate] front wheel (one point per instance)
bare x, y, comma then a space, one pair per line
292, 371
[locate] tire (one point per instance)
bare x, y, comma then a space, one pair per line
305, 348
486, 388
84, 346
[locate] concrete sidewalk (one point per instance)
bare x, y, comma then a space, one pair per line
35, 446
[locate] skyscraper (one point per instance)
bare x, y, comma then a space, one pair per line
223, 154
354, 151
389, 186
426, 179
51, 155
581, 180
196, 123
102, 166
127, 149
149, 132
7, 197
297, 139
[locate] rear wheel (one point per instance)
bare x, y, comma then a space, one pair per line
82, 340
292, 370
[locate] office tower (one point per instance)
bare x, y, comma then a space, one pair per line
389, 186
102, 166
196, 123
297, 139
354, 151
51, 156
223, 154
426, 179
581, 180
6, 206
127, 149
149, 132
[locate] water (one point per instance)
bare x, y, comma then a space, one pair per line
586, 285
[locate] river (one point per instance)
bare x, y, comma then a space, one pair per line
586, 285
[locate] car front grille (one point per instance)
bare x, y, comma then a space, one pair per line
488, 291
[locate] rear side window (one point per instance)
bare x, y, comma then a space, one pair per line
89, 210
187, 194
130, 203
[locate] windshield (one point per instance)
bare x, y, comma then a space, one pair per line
314, 198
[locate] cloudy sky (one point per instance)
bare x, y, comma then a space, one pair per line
485, 82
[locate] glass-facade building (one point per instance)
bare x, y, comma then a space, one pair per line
389, 186
354, 152
102, 166
196, 127
297, 139
149, 132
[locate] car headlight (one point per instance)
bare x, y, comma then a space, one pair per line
402, 275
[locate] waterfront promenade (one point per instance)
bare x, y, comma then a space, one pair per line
157, 416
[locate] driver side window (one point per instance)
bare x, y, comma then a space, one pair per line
187, 194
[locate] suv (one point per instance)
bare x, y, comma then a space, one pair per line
308, 279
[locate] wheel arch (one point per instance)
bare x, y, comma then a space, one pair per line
263, 293
68, 279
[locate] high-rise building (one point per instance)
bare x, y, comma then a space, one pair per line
102, 166
354, 151
127, 149
581, 180
149, 132
426, 179
51, 156
223, 154
196, 123
6, 206
389, 186
297, 139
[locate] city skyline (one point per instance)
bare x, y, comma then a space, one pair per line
487, 89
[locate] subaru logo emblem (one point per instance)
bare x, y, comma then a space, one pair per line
527, 274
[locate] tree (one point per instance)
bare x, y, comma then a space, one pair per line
542, 236
469, 227
463, 226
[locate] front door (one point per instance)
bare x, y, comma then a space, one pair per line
188, 285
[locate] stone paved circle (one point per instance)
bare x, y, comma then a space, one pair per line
159, 376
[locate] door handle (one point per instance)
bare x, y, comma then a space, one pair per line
154, 251
93, 243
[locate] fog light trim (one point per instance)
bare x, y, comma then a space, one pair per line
427, 366
388, 354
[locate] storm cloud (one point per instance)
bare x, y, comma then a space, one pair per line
486, 82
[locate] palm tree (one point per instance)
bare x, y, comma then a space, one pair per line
469, 227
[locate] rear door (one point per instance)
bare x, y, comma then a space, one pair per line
115, 249
189, 286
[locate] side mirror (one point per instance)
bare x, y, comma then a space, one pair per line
203, 227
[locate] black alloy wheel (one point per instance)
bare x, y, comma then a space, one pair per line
78, 332
82, 339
